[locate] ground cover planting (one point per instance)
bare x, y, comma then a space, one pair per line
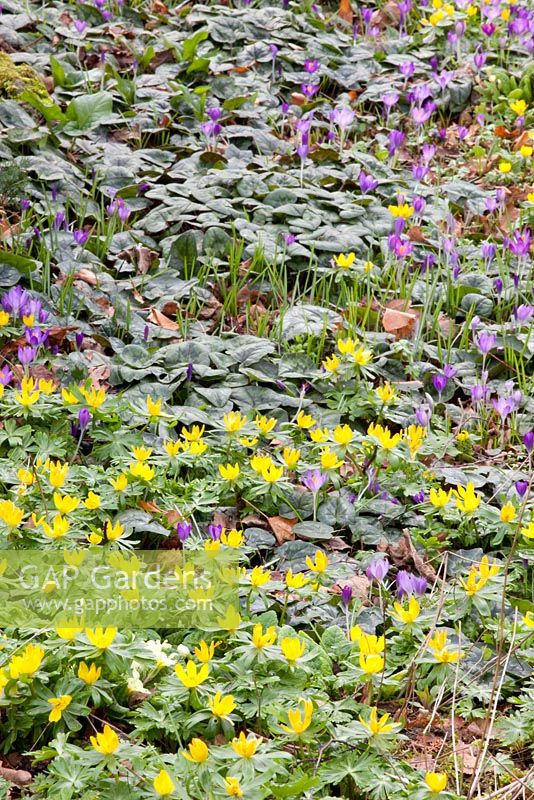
266, 400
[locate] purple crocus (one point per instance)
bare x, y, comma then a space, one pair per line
215, 532
309, 89
440, 382
519, 243
503, 406
485, 341
367, 182
26, 355
523, 313
183, 529
311, 65
395, 140
80, 236
80, 25
528, 441
314, 480
521, 488
346, 595
378, 569
84, 418
409, 584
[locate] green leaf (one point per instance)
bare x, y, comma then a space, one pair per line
190, 45
303, 784
22, 263
89, 110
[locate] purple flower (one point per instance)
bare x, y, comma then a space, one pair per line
215, 532
78, 338
35, 336
189, 372
423, 415
84, 418
528, 441
503, 406
485, 341
80, 236
519, 243
378, 569
523, 313
5, 375
419, 498
367, 182
390, 99
60, 220
346, 595
488, 251
183, 529
420, 171
311, 66
290, 238
343, 117
80, 25
309, 89
395, 139
428, 152
15, 299
407, 69
479, 60
498, 285
314, 480
408, 584
419, 204
521, 488
462, 132
25, 205
26, 355
440, 382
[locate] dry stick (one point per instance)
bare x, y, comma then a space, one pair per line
482, 754
453, 714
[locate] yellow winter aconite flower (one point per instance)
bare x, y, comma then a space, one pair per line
59, 704
64, 503
330, 460
401, 210
479, 576
46, 387
10, 514
467, 500
95, 398
231, 620
4, 319
504, 167
291, 457
259, 577
261, 639
319, 435
372, 663
385, 438
153, 407
386, 393
142, 470
362, 356
245, 746
436, 781
60, 526
25, 476
462, 436
292, 648
198, 751
234, 421
172, 448
221, 706
526, 151
528, 619
519, 107
69, 397
528, 530
142, 453
415, 436
346, 346
295, 581
305, 421
101, 638
113, 532
530, 197
163, 784
439, 497
438, 645
105, 743
331, 363
272, 473
344, 260
233, 787
265, 424
27, 663
68, 630
92, 501
205, 652
407, 615
229, 471
376, 726
299, 718
197, 448
89, 674
369, 643
120, 483
320, 563
195, 434
232, 538
191, 676
28, 394
343, 435
57, 474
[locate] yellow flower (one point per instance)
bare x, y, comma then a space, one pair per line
467, 500
305, 421
526, 151
198, 751
193, 435
163, 784
46, 387
259, 577
528, 619
197, 448
519, 107
462, 436
73, 557
233, 787
362, 356
101, 638
415, 436
372, 663
272, 473
261, 639
4, 319
528, 531
60, 526
92, 501
245, 746
296, 581
231, 621
153, 407
94, 398
65, 504
264, 424
26, 397
331, 363
212, 546
249, 442
530, 197
439, 498
120, 483
343, 435
59, 704
234, 421
436, 781
221, 706
69, 397
205, 652
376, 726
345, 261
260, 461
229, 471
504, 167
89, 674
58, 474
94, 538
25, 476
10, 514
142, 453
386, 439
407, 615
232, 538
442, 654
479, 576
106, 742
191, 676
319, 435
346, 346
291, 457
508, 512
28, 662
69, 631
386, 393
172, 448
292, 648
368, 266
113, 532
143, 471
370, 644
356, 633
320, 563
299, 718
402, 211
329, 459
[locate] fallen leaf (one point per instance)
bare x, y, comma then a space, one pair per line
20, 777
345, 11
400, 323
87, 276
503, 133
415, 234
282, 527
158, 318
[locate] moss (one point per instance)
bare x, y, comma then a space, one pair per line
16, 79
